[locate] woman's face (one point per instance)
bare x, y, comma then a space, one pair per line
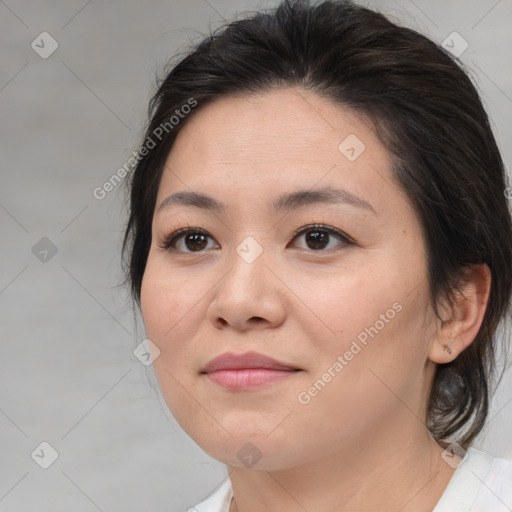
348, 312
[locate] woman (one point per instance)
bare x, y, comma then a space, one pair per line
321, 248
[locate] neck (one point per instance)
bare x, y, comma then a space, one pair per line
382, 474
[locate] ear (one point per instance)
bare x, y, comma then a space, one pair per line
463, 319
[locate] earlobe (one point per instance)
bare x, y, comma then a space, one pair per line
444, 350
447, 349
464, 317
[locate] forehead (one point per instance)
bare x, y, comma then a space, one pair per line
280, 140
284, 124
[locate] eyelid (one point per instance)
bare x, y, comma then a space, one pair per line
170, 239
176, 234
328, 229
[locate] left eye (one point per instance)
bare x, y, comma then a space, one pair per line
319, 236
195, 239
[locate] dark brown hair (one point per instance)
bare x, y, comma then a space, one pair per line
426, 111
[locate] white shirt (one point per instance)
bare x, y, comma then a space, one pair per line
481, 483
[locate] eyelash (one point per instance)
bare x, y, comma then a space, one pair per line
174, 236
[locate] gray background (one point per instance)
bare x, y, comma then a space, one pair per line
67, 123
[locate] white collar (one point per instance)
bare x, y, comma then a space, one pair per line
459, 496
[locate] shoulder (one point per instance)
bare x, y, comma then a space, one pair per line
498, 480
481, 483
495, 493
218, 501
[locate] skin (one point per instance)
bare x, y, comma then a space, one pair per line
361, 443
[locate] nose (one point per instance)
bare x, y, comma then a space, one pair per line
249, 296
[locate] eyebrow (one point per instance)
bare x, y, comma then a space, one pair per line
286, 202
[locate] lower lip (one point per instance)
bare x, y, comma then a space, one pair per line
248, 377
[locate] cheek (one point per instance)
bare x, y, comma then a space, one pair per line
165, 308
371, 320
154, 304
168, 319
341, 306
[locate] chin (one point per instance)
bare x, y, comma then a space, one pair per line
249, 449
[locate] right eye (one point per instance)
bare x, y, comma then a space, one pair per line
194, 239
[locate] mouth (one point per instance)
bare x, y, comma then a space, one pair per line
247, 371
249, 377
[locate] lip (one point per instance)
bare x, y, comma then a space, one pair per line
247, 371
247, 360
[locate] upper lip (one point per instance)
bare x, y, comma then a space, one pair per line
230, 361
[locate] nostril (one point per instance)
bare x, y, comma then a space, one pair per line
257, 319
